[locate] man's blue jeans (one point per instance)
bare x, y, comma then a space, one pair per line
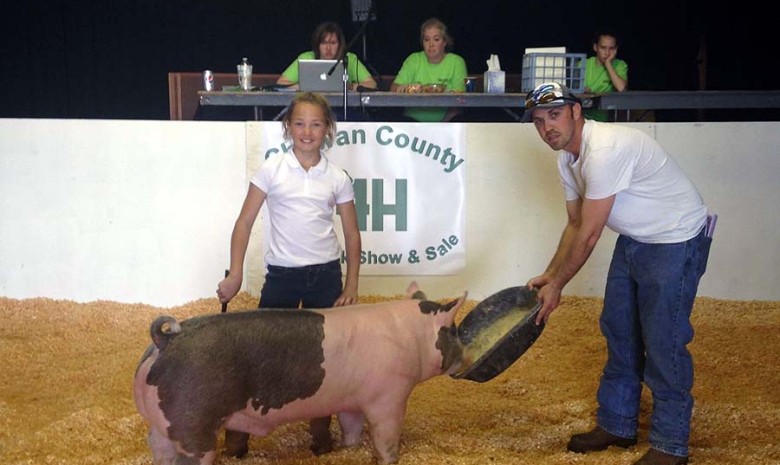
646, 322
313, 286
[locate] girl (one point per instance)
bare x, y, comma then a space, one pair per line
302, 188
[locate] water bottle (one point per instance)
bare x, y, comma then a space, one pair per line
245, 75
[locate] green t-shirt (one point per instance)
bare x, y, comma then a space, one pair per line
417, 70
598, 82
357, 70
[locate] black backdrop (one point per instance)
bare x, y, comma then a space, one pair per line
110, 58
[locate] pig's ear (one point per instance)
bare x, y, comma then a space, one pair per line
455, 304
451, 308
414, 292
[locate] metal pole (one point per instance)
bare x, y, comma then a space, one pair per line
346, 84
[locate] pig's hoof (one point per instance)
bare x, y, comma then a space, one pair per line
321, 447
321, 441
236, 443
238, 453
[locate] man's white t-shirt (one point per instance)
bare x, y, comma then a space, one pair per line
655, 202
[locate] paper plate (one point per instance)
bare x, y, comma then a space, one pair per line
496, 332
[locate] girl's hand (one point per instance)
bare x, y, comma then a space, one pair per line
228, 288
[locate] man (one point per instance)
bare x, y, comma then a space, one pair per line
622, 178
604, 72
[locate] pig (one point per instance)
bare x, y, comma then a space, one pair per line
252, 371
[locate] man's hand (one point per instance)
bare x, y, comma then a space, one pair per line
548, 294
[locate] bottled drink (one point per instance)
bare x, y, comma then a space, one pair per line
245, 75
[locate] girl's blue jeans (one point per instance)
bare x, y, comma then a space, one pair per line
313, 286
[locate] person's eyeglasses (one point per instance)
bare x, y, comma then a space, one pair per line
546, 94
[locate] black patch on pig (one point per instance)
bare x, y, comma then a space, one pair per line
450, 347
217, 363
447, 341
426, 306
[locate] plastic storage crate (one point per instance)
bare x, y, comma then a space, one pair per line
564, 68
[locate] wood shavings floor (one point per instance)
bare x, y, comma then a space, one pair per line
66, 373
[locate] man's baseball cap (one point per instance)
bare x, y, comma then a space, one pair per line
547, 95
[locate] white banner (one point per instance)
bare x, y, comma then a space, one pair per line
409, 181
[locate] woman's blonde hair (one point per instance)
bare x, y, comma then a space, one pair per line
436, 22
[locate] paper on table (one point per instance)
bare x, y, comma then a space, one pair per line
494, 77
493, 64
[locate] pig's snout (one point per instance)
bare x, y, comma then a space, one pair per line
451, 349
163, 329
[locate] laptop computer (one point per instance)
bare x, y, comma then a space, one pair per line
313, 76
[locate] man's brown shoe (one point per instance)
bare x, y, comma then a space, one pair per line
597, 439
656, 457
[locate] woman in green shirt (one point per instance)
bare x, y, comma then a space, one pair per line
435, 64
327, 43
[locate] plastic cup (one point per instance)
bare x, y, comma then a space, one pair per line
245, 76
